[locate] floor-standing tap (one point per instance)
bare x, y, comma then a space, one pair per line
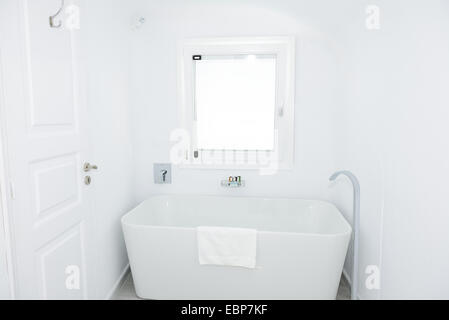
355, 227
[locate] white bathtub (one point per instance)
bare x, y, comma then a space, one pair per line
301, 248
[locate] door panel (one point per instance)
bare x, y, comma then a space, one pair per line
47, 139
61, 171
63, 253
49, 53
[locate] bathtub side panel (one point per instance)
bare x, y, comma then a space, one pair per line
164, 263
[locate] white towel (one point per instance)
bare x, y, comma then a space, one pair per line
227, 246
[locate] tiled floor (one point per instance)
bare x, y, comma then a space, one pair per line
127, 292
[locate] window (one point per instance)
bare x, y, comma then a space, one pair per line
237, 102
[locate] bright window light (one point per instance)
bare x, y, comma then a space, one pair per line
235, 99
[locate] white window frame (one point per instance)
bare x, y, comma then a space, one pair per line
283, 47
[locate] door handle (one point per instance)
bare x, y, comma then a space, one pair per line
87, 167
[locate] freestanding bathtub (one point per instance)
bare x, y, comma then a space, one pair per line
301, 248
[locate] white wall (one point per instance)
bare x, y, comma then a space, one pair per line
106, 26
154, 95
393, 136
416, 116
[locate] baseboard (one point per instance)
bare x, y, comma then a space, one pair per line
118, 283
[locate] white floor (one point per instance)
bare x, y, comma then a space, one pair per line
127, 292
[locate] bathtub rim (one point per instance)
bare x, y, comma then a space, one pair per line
142, 226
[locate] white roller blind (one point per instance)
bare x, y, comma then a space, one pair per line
235, 102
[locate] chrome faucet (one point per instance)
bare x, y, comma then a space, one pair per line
163, 173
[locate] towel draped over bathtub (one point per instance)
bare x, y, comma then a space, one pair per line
227, 246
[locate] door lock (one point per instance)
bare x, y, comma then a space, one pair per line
87, 167
87, 180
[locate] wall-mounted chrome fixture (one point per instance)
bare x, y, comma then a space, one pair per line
52, 18
356, 226
233, 182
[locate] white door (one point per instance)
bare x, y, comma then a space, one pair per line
47, 145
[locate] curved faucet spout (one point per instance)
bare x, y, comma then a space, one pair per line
350, 175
